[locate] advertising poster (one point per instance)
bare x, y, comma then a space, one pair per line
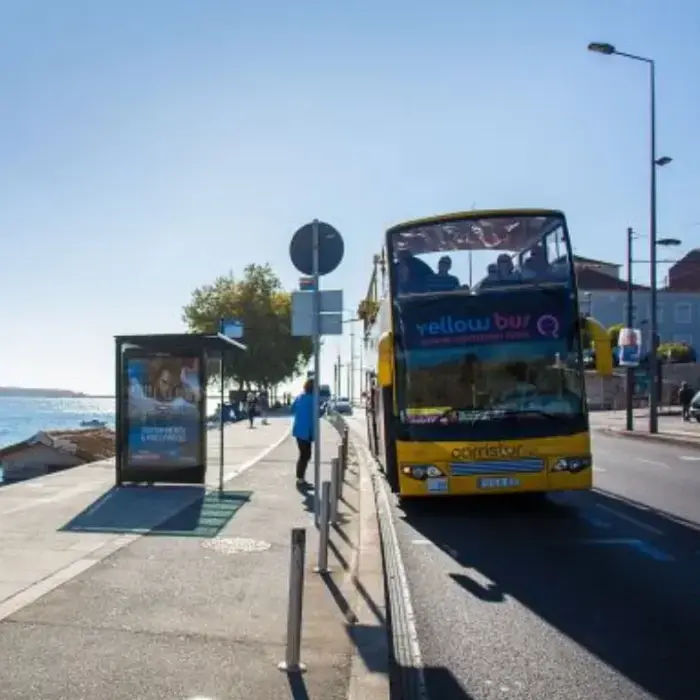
164, 411
484, 320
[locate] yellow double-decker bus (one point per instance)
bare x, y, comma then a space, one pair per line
473, 339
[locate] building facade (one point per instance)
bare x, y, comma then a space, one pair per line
603, 295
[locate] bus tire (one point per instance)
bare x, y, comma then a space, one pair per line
390, 463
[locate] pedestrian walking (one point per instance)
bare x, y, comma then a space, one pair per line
250, 407
685, 396
303, 428
264, 406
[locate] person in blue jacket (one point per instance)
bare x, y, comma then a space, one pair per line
303, 429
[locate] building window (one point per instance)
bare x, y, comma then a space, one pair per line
639, 314
683, 312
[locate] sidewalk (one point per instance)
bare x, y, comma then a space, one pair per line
671, 427
36, 552
184, 614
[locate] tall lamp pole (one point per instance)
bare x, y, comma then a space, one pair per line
609, 49
630, 322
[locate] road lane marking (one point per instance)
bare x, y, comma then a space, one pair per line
421, 542
652, 462
689, 458
640, 545
596, 522
630, 519
239, 469
599, 469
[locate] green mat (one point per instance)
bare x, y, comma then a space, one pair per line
182, 511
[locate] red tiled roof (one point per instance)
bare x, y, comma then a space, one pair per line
685, 274
588, 279
587, 261
88, 445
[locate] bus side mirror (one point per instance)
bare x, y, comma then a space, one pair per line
602, 346
385, 360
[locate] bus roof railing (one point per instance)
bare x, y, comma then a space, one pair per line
473, 214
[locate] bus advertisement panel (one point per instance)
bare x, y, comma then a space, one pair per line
482, 361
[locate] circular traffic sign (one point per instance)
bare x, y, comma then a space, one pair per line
330, 249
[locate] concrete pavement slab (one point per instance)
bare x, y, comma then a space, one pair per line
34, 513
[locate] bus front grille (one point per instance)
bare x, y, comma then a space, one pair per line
496, 466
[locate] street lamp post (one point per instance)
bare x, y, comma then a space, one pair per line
630, 323
609, 49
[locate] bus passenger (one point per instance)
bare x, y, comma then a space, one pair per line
443, 280
491, 279
535, 267
504, 266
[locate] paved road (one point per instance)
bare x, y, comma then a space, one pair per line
588, 595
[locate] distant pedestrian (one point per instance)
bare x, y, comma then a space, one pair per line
303, 429
250, 408
263, 406
685, 396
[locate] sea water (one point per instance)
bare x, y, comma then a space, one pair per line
21, 417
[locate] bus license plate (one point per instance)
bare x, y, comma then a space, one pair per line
504, 482
437, 485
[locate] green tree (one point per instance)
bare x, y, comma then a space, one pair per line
265, 310
675, 352
614, 334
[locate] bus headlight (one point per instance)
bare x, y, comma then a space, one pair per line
572, 464
420, 471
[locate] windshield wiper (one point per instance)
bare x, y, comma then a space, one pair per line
489, 413
514, 412
479, 414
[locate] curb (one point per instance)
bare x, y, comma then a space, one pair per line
407, 678
651, 437
369, 667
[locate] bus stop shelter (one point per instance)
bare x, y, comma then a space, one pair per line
161, 383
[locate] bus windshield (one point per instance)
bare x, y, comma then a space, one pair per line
480, 254
466, 360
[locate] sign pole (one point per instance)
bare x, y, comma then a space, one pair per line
221, 418
317, 373
629, 412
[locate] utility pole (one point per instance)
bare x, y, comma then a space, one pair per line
337, 387
362, 374
630, 322
351, 373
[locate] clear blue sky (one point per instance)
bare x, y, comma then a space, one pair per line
147, 147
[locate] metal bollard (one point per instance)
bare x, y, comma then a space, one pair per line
335, 489
291, 663
322, 567
345, 447
342, 466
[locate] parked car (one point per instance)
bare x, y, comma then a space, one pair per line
695, 407
343, 406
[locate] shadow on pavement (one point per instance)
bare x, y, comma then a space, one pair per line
440, 681
490, 593
618, 579
308, 493
160, 510
340, 600
297, 686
